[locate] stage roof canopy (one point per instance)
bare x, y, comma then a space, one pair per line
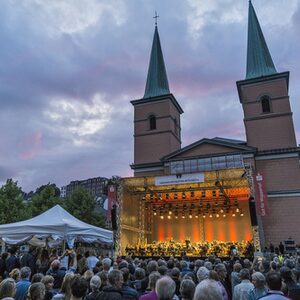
56, 224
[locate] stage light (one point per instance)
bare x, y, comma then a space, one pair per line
217, 215
233, 214
190, 214
169, 217
196, 216
144, 198
183, 216
162, 217
242, 214
154, 213
204, 216
222, 210
237, 209
176, 217
170, 212
224, 216
210, 215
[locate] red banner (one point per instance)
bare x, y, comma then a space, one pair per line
111, 199
261, 196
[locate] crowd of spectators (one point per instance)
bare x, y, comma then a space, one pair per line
75, 275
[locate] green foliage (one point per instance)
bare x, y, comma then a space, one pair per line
12, 207
82, 206
45, 198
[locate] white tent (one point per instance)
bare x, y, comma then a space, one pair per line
56, 224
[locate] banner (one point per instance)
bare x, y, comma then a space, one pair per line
111, 200
261, 196
179, 179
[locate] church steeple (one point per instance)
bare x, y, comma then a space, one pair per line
259, 60
157, 80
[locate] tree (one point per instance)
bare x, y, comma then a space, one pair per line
44, 198
82, 206
12, 207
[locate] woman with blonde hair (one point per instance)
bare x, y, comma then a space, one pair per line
7, 289
15, 274
65, 291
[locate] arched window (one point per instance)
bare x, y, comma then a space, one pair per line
152, 122
265, 104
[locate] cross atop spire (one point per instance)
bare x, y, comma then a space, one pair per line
157, 80
156, 17
259, 60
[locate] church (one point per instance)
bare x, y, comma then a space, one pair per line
214, 189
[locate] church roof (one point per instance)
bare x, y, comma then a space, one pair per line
157, 80
259, 60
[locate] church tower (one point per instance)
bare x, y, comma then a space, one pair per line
264, 95
157, 115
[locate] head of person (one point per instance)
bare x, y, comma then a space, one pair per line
139, 274
152, 266
25, 273
208, 289
88, 274
15, 274
7, 288
163, 270
79, 287
115, 279
66, 285
244, 274
37, 277
273, 280
106, 263
55, 265
259, 280
286, 274
202, 274
165, 288
36, 291
237, 267
221, 271
153, 277
175, 273
95, 283
208, 265
265, 266
48, 281
187, 289
126, 274
104, 278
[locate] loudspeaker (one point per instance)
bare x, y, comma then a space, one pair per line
252, 211
114, 217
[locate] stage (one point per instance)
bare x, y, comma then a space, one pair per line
216, 209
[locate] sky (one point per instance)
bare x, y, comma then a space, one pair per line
69, 69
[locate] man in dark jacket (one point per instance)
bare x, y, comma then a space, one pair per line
113, 290
12, 261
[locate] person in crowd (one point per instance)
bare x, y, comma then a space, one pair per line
221, 271
281, 248
113, 290
57, 273
15, 274
290, 287
65, 291
12, 261
106, 264
187, 289
127, 292
37, 277
36, 291
88, 274
95, 284
29, 260
79, 288
235, 276
81, 262
23, 285
104, 279
92, 260
208, 289
274, 284
265, 267
3, 270
139, 276
7, 289
202, 273
150, 293
42, 262
165, 288
48, 281
259, 290
241, 290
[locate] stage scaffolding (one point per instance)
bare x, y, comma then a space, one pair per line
139, 199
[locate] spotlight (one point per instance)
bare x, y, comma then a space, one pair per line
176, 217
210, 215
222, 210
237, 209
154, 213
196, 216
204, 216
224, 216
162, 217
190, 214
217, 215
183, 216
242, 214
169, 217
233, 214
170, 212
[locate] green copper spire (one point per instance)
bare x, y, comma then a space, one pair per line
157, 80
259, 60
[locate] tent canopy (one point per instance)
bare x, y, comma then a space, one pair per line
55, 223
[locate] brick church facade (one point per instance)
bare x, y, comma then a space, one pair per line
270, 148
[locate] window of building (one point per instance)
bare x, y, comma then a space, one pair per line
152, 122
265, 104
